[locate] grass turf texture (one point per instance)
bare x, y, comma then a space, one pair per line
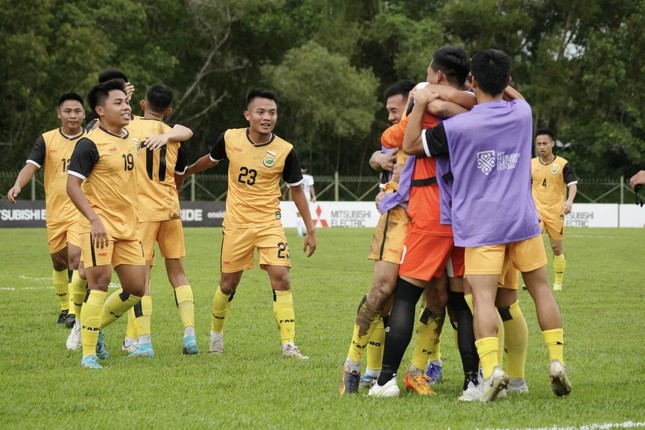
251, 386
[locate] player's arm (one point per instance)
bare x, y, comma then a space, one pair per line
380, 161
452, 95
637, 179
511, 93
84, 157
35, 160
26, 174
444, 109
299, 198
205, 162
412, 144
180, 167
312, 191
179, 133
212, 159
292, 176
572, 187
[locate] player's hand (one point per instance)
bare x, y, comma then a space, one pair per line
156, 142
386, 160
423, 96
567, 208
378, 199
637, 179
310, 242
13, 193
396, 172
129, 90
98, 234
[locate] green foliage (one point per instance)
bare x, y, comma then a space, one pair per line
250, 386
326, 96
578, 63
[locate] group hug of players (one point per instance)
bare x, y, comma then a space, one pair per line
458, 223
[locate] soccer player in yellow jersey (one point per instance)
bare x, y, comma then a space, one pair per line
53, 151
258, 160
551, 177
159, 217
104, 162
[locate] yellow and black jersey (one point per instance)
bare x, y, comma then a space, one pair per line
158, 197
107, 164
53, 150
549, 184
254, 175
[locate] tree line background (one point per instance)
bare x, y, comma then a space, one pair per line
579, 63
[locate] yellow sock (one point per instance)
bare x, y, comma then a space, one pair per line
375, 346
60, 282
131, 330
91, 320
359, 343
220, 309
516, 341
77, 292
185, 305
554, 341
284, 315
142, 322
428, 338
116, 305
500, 339
487, 351
559, 264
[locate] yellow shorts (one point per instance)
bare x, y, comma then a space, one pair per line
74, 234
510, 276
170, 236
58, 235
526, 255
238, 245
389, 236
554, 228
118, 251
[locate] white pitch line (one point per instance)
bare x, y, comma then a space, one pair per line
112, 285
593, 426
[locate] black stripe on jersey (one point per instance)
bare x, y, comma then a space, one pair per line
162, 163
149, 163
423, 182
93, 255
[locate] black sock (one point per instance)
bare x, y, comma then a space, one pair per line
400, 325
465, 333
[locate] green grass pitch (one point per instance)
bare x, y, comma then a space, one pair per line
43, 386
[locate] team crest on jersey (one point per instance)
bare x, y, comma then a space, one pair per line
137, 144
486, 161
554, 169
269, 159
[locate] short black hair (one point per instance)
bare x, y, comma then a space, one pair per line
70, 96
453, 62
262, 93
546, 131
403, 87
492, 69
108, 75
98, 93
159, 97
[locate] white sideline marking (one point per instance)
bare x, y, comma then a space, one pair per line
593, 426
112, 285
